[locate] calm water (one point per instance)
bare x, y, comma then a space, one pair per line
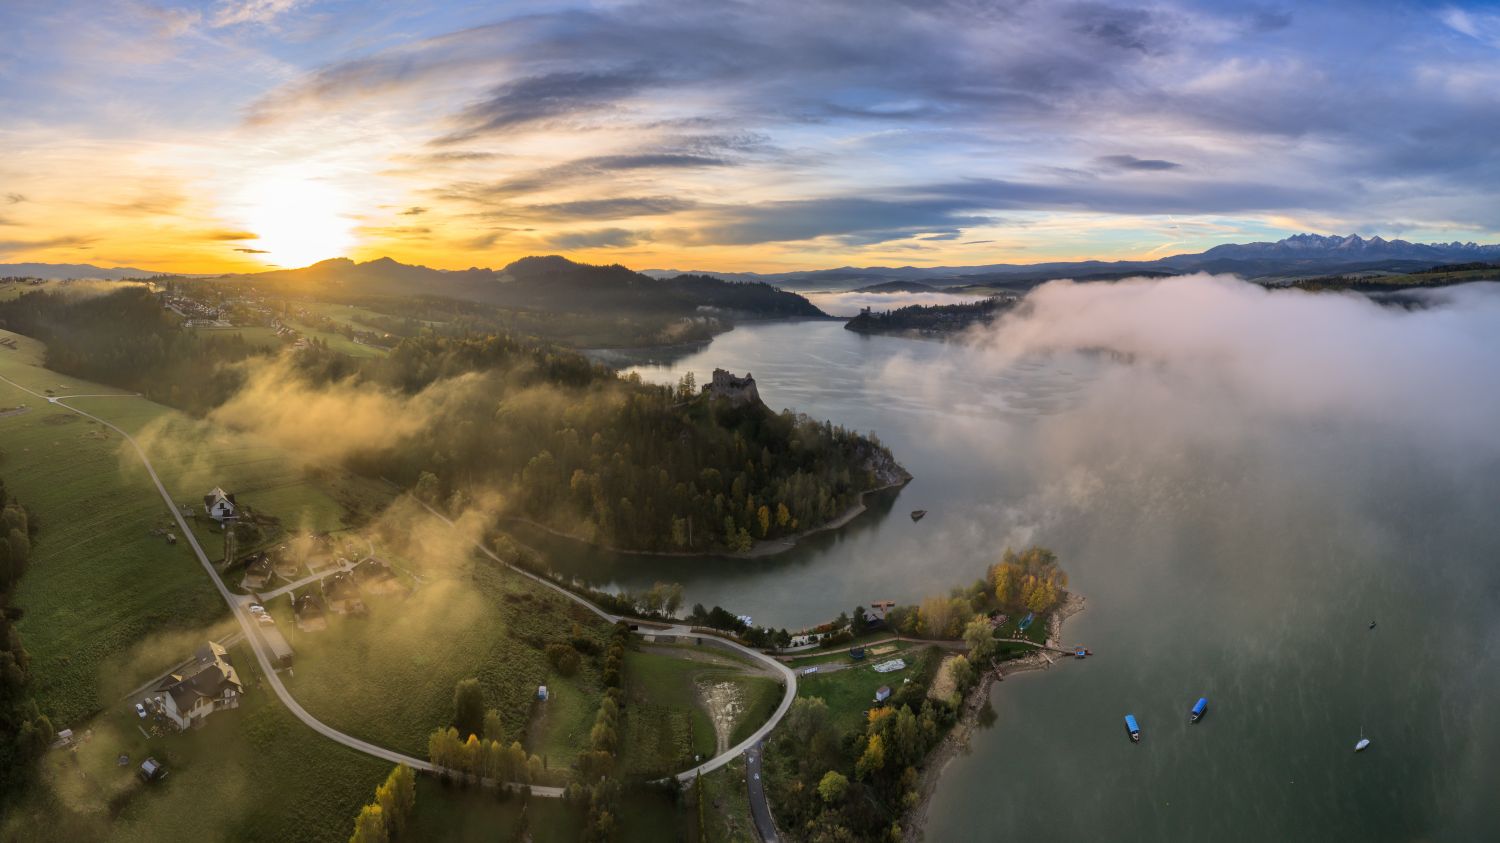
1223, 553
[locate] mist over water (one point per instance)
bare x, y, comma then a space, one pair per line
1238, 481
851, 303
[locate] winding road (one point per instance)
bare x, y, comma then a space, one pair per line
236, 604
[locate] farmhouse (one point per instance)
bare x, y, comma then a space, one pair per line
341, 594
308, 612
257, 573
207, 685
219, 504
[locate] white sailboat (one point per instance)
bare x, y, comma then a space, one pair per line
1362, 745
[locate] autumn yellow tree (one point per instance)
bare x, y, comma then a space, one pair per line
873, 758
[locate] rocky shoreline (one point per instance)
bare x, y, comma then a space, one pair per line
957, 739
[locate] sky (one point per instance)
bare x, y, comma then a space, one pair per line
235, 135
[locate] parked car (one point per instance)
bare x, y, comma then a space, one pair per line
256, 609
140, 711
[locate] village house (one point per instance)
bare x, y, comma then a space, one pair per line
210, 683
258, 573
219, 505
341, 594
375, 576
308, 612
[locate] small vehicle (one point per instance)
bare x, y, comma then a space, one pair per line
1198, 709
140, 711
256, 608
265, 620
809, 671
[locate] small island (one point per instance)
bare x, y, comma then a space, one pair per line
932, 320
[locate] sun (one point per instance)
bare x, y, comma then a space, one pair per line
297, 221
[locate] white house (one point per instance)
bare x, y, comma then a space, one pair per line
219, 504
207, 685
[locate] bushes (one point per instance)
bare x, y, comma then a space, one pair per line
564, 657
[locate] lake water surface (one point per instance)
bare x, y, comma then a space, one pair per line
1223, 553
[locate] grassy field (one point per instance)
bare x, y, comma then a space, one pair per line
100, 587
252, 773
476, 621
458, 815
668, 722
850, 693
253, 334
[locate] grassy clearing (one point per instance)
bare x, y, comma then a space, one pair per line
728, 809
253, 773
459, 815
668, 723
850, 693
253, 334
479, 621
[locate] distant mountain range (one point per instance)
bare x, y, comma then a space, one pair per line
554, 283
1299, 256
549, 283
68, 271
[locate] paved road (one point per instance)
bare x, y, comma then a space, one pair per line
765, 826
788, 676
236, 604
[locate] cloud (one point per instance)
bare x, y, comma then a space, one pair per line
249, 251
1286, 354
75, 241
413, 211
1130, 162
616, 208
536, 99
235, 12
602, 238
14, 198
229, 234
578, 170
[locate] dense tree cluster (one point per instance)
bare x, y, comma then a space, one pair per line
386, 818
844, 786
614, 460
128, 340
930, 318
474, 749
25, 732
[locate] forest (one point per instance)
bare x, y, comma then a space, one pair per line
25, 733
930, 319
564, 442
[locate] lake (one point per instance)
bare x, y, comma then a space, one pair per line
1225, 551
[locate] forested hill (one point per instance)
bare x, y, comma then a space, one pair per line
549, 283
565, 442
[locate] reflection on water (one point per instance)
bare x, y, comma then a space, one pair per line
1223, 554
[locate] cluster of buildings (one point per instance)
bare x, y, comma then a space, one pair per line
206, 684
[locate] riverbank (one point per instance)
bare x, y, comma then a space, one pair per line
957, 739
761, 549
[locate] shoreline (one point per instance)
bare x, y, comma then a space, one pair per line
957, 739
762, 548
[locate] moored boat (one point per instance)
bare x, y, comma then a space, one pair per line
1362, 745
1133, 727
918, 514
1198, 709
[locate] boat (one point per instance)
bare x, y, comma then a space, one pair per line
1080, 653
1026, 622
1363, 744
1134, 728
918, 514
1198, 709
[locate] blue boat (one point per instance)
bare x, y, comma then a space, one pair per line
1198, 710
1135, 729
1026, 621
